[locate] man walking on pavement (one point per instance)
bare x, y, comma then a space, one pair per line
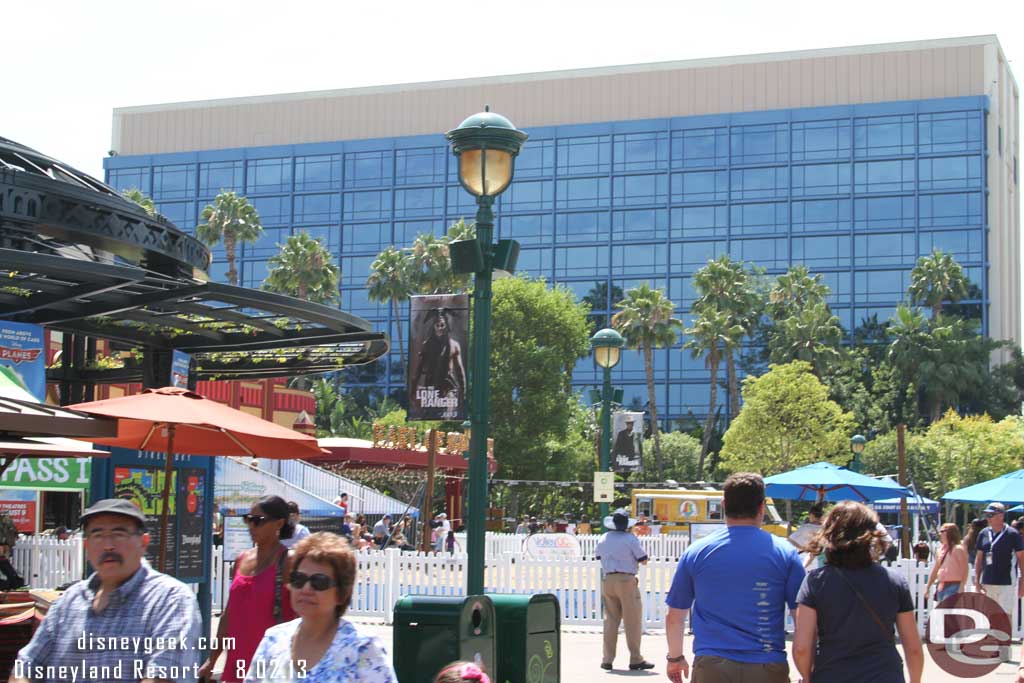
83, 635
738, 582
993, 564
621, 554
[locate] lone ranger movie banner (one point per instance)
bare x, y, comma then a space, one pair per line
437, 362
628, 441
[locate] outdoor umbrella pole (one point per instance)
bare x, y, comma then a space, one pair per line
168, 470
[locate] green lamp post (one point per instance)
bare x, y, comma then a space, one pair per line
857, 442
607, 346
486, 145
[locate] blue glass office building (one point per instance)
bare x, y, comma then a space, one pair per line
857, 192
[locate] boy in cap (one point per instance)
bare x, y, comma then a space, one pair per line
124, 597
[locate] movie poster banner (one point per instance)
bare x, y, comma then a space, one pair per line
438, 328
21, 357
627, 441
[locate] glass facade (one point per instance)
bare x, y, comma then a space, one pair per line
856, 193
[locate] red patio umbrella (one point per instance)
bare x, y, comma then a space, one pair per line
176, 420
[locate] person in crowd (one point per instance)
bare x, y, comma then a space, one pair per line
534, 526
8, 534
570, 525
921, 552
642, 528
451, 543
320, 646
342, 502
125, 596
951, 564
462, 672
347, 522
61, 533
971, 537
809, 529
443, 528
848, 608
218, 526
523, 527
621, 555
1018, 524
584, 528
993, 564
381, 530
361, 520
301, 530
738, 582
258, 597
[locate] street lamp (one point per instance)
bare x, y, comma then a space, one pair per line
857, 442
486, 145
607, 345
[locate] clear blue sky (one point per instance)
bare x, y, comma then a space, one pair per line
67, 63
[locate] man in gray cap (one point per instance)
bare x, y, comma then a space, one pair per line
126, 622
621, 554
993, 564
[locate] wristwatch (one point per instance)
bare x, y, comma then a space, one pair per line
675, 660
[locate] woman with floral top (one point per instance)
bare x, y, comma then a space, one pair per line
320, 646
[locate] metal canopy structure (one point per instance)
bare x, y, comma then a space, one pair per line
77, 257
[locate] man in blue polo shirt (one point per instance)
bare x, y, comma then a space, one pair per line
742, 578
993, 564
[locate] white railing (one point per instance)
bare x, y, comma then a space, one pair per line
46, 562
660, 546
385, 576
327, 485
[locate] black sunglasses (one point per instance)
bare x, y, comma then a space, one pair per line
256, 520
318, 582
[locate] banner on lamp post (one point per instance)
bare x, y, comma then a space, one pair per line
22, 357
438, 329
628, 444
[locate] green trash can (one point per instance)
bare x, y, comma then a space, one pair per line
432, 632
528, 638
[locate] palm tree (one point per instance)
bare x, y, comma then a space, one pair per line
234, 220
646, 323
712, 333
811, 334
793, 291
430, 264
134, 194
911, 344
727, 286
389, 281
305, 269
935, 279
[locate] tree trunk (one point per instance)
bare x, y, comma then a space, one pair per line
229, 253
936, 409
734, 391
936, 311
710, 420
649, 368
401, 341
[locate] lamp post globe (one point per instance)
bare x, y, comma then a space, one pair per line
857, 443
607, 346
486, 145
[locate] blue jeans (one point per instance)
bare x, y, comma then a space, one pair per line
951, 588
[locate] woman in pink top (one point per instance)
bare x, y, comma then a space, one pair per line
259, 596
950, 570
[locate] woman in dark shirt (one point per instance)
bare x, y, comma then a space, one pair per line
847, 608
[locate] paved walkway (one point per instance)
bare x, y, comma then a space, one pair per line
581, 655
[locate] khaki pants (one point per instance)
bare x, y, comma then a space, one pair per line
722, 670
622, 604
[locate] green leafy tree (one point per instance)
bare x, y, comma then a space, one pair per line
134, 194
956, 366
233, 220
645, 321
537, 335
680, 455
389, 282
935, 279
305, 269
430, 263
880, 459
712, 333
787, 421
962, 451
811, 334
729, 287
793, 291
597, 299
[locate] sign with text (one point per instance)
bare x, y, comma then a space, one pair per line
180, 362
628, 444
236, 538
21, 506
191, 511
552, 545
438, 329
144, 486
604, 487
22, 358
70, 474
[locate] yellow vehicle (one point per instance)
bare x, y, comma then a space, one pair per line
677, 509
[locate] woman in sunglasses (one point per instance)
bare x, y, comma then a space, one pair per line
320, 646
258, 597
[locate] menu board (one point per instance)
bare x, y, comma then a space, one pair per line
191, 514
144, 486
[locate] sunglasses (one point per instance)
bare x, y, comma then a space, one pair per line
318, 582
256, 520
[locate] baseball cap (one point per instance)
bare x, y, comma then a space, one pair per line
115, 506
995, 509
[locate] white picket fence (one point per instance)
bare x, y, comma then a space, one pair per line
46, 562
662, 545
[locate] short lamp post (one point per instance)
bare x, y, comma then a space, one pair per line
607, 345
486, 145
857, 442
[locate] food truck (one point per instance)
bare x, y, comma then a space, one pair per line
696, 512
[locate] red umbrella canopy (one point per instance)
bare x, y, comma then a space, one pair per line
202, 426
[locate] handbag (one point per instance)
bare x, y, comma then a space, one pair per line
874, 615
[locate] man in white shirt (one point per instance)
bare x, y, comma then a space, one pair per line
301, 530
444, 526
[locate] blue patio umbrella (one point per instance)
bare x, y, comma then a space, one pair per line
1008, 488
1019, 508
914, 506
831, 482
